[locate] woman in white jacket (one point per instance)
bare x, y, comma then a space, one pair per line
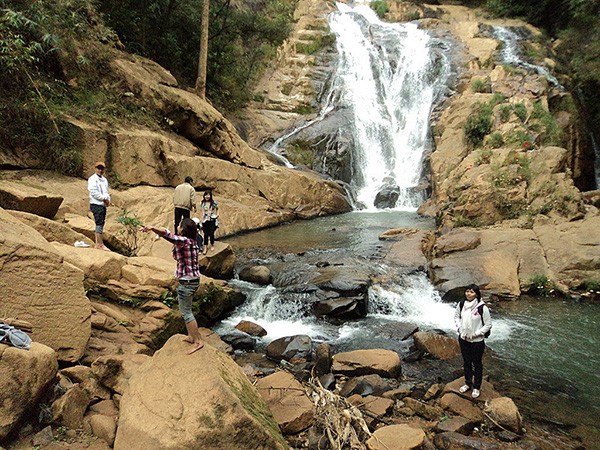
473, 322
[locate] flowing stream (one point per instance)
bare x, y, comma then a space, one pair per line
389, 77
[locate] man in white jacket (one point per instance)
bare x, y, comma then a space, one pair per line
99, 201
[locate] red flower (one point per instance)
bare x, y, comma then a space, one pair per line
526, 145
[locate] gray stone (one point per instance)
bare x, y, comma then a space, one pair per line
289, 347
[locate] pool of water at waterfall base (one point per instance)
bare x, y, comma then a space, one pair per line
546, 351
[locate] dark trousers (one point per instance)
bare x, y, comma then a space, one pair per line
472, 353
180, 214
208, 229
99, 212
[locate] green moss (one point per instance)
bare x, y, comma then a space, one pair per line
253, 403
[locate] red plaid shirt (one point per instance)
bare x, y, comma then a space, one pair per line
185, 252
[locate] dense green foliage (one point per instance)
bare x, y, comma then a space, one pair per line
53, 58
577, 24
241, 41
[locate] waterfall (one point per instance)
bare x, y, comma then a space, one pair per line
511, 54
388, 77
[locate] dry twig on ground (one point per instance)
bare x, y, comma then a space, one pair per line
341, 422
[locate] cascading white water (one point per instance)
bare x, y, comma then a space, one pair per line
510, 53
387, 77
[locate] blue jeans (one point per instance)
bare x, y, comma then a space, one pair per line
185, 295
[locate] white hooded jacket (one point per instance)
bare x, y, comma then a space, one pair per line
468, 322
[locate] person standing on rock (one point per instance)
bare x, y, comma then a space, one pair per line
184, 200
210, 216
99, 201
185, 252
473, 322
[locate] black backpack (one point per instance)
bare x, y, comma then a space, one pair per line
480, 310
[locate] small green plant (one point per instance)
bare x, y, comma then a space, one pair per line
520, 110
495, 140
167, 298
60, 434
484, 157
380, 7
131, 233
505, 112
315, 44
542, 286
519, 137
480, 85
590, 285
462, 221
300, 152
545, 124
524, 170
478, 124
304, 109
131, 301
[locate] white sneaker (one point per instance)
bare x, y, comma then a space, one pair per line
80, 244
475, 393
464, 388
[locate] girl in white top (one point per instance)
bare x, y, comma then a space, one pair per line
473, 321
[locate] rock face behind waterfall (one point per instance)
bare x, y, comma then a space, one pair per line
203, 400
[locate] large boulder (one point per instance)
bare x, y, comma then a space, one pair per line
365, 362
256, 274
503, 261
52, 230
504, 413
96, 265
437, 345
288, 347
407, 247
288, 402
218, 263
24, 197
571, 249
185, 401
43, 289
24, 375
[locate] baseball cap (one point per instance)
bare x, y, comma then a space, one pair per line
100, 164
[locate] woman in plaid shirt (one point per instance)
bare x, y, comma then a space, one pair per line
185, 252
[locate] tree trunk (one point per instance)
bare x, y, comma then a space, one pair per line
203, 54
